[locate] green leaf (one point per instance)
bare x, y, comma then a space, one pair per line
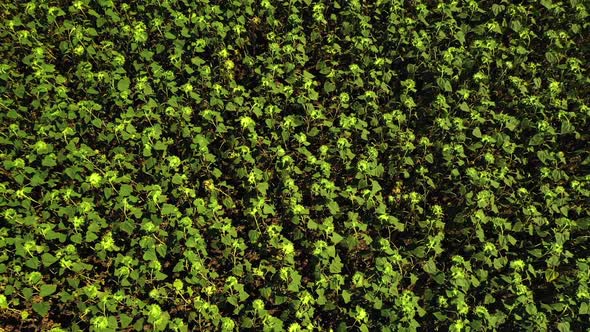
331, 251
375, 187
329, 87
336, 238
160, 276
563, 327
33, 263
584, 309
531, 309
295, 282
430, 267
90, 236
583, 223
113, 324
160, 146
28, 293
268, 209
168, 209
333, 207
177, 179
48, 259
49, 160
476, 132
47, 290
41, 308
547, 4
127, 226
150, 255
346, 296
551, 275
336, 265
162, 249
76, 238
262, 187
3, 302
444, 84
125, 190
123, 84
460, 36
536, 139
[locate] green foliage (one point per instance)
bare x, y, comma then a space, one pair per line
178, 165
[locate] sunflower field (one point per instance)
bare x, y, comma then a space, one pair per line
294, 165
